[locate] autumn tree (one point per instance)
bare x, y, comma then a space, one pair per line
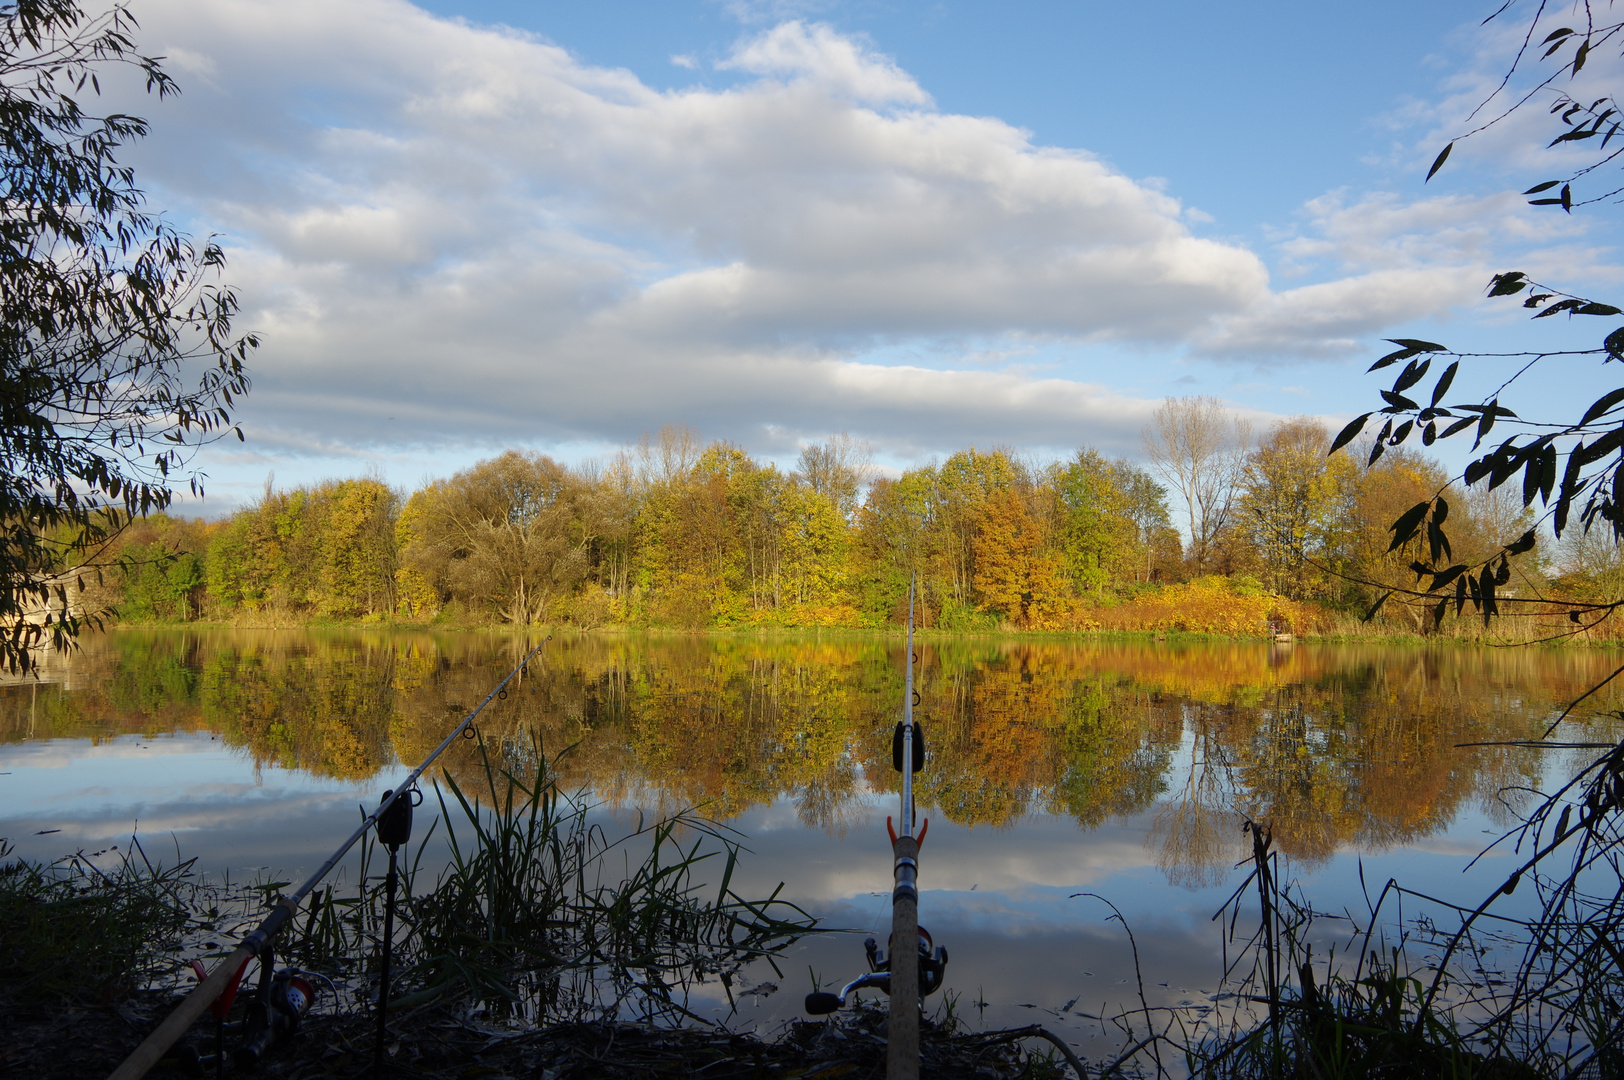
963, 484
504, 535
158, 570
1290, 499
1017, 576
359, 555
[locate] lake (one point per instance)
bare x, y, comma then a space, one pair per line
1057, 768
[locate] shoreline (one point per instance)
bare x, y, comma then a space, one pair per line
1172, 637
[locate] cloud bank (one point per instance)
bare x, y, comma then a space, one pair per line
450, 233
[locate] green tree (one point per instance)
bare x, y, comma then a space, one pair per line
103, 310
1291, 495
1108, 511
893, 544
359, 556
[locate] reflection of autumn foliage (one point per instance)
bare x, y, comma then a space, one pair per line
1330, 745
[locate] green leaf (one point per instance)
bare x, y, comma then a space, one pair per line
1391, 358
1413, 373
1399, 401
1562, 305
1381, 443
1531, 477
1487, 422
1444, 577
1457, 427
1347, 434
1603, 405
1405, 527
1554, 34
1377, 606
1438, 162
1417, 344
1601, 447
1437, 542
1570, 486
1507, 283
1445, 380
1598, 309
1546, 186
1614, 344
1581, 55
1567, 197
1571, 136
1523, 543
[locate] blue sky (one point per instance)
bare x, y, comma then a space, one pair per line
468, 225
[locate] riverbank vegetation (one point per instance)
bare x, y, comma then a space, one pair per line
673, 533
543, 944
541, 938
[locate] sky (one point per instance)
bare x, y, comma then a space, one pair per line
469, 225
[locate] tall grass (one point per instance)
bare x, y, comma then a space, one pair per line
539, 915
1396, 999
75, 930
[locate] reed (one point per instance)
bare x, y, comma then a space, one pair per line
1381, 1011
539, 916
73, 930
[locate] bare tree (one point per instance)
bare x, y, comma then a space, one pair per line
669, 460
839, 469
1199, 448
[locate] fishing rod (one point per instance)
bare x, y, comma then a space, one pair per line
908, 975
180, 1020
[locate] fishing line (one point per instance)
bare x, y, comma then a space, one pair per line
176, 1024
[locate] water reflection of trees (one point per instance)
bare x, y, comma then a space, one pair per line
1332, 745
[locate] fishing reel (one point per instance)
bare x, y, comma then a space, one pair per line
281, 1003
932, 968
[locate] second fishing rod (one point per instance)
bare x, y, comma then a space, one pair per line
259, 941
907, 974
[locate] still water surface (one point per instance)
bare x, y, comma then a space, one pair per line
1123, 769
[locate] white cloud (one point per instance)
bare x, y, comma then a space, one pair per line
1337, 318
833, 62
470, 228
468, 235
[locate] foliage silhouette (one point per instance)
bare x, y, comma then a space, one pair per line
117, 352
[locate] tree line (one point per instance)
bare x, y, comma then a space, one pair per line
675, 532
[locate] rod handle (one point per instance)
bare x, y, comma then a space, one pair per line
176, 1024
